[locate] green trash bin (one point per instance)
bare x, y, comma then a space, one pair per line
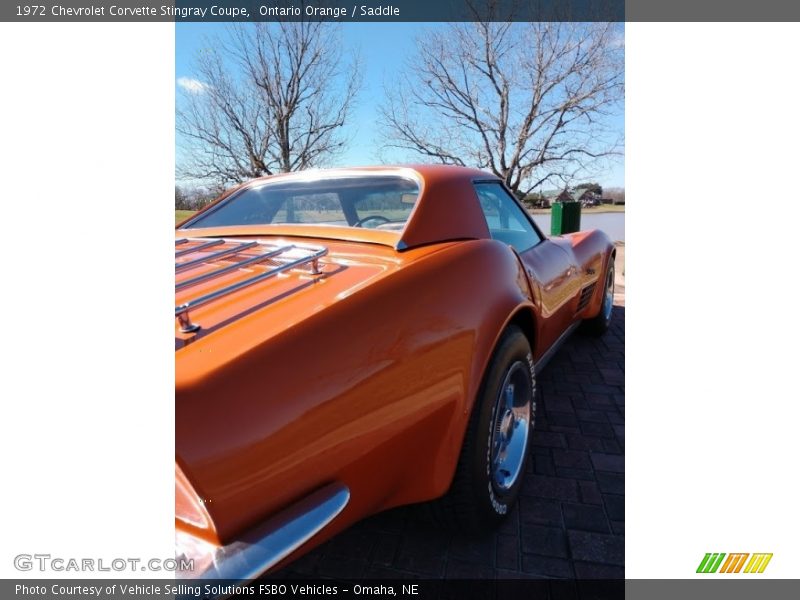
565, 217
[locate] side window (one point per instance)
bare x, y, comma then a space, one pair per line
505, 218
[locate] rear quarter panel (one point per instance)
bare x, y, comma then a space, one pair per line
374, 391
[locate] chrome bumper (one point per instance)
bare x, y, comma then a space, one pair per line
265, 546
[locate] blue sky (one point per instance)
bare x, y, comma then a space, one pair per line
384, 49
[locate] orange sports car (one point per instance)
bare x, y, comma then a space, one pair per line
351, 340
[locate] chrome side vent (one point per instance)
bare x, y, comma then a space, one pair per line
586, 296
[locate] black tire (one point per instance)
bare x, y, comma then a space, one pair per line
480, 495
598, 325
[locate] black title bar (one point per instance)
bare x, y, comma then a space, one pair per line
314, 10
397, 10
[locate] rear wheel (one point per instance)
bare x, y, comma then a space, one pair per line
494, 455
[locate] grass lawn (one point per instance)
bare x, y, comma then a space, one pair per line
603, 208
180, 215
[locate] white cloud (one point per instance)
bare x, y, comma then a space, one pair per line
192, 85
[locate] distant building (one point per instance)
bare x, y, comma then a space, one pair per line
546, 199
586, 197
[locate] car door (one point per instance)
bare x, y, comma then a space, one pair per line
551, 270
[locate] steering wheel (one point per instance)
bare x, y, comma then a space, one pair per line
380, 218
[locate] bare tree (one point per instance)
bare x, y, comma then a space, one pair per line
528, 101
181, 199
616, 194
270, 97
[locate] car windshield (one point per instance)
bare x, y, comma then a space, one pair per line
374, 202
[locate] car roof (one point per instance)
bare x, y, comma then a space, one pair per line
447, 208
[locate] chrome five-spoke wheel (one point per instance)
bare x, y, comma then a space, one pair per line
491, 466
600, 323
511, 426
608, 300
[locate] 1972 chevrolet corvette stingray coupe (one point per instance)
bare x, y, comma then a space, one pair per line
355, 339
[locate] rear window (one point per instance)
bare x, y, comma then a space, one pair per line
372, 202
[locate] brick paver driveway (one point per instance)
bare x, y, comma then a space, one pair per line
570, 519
